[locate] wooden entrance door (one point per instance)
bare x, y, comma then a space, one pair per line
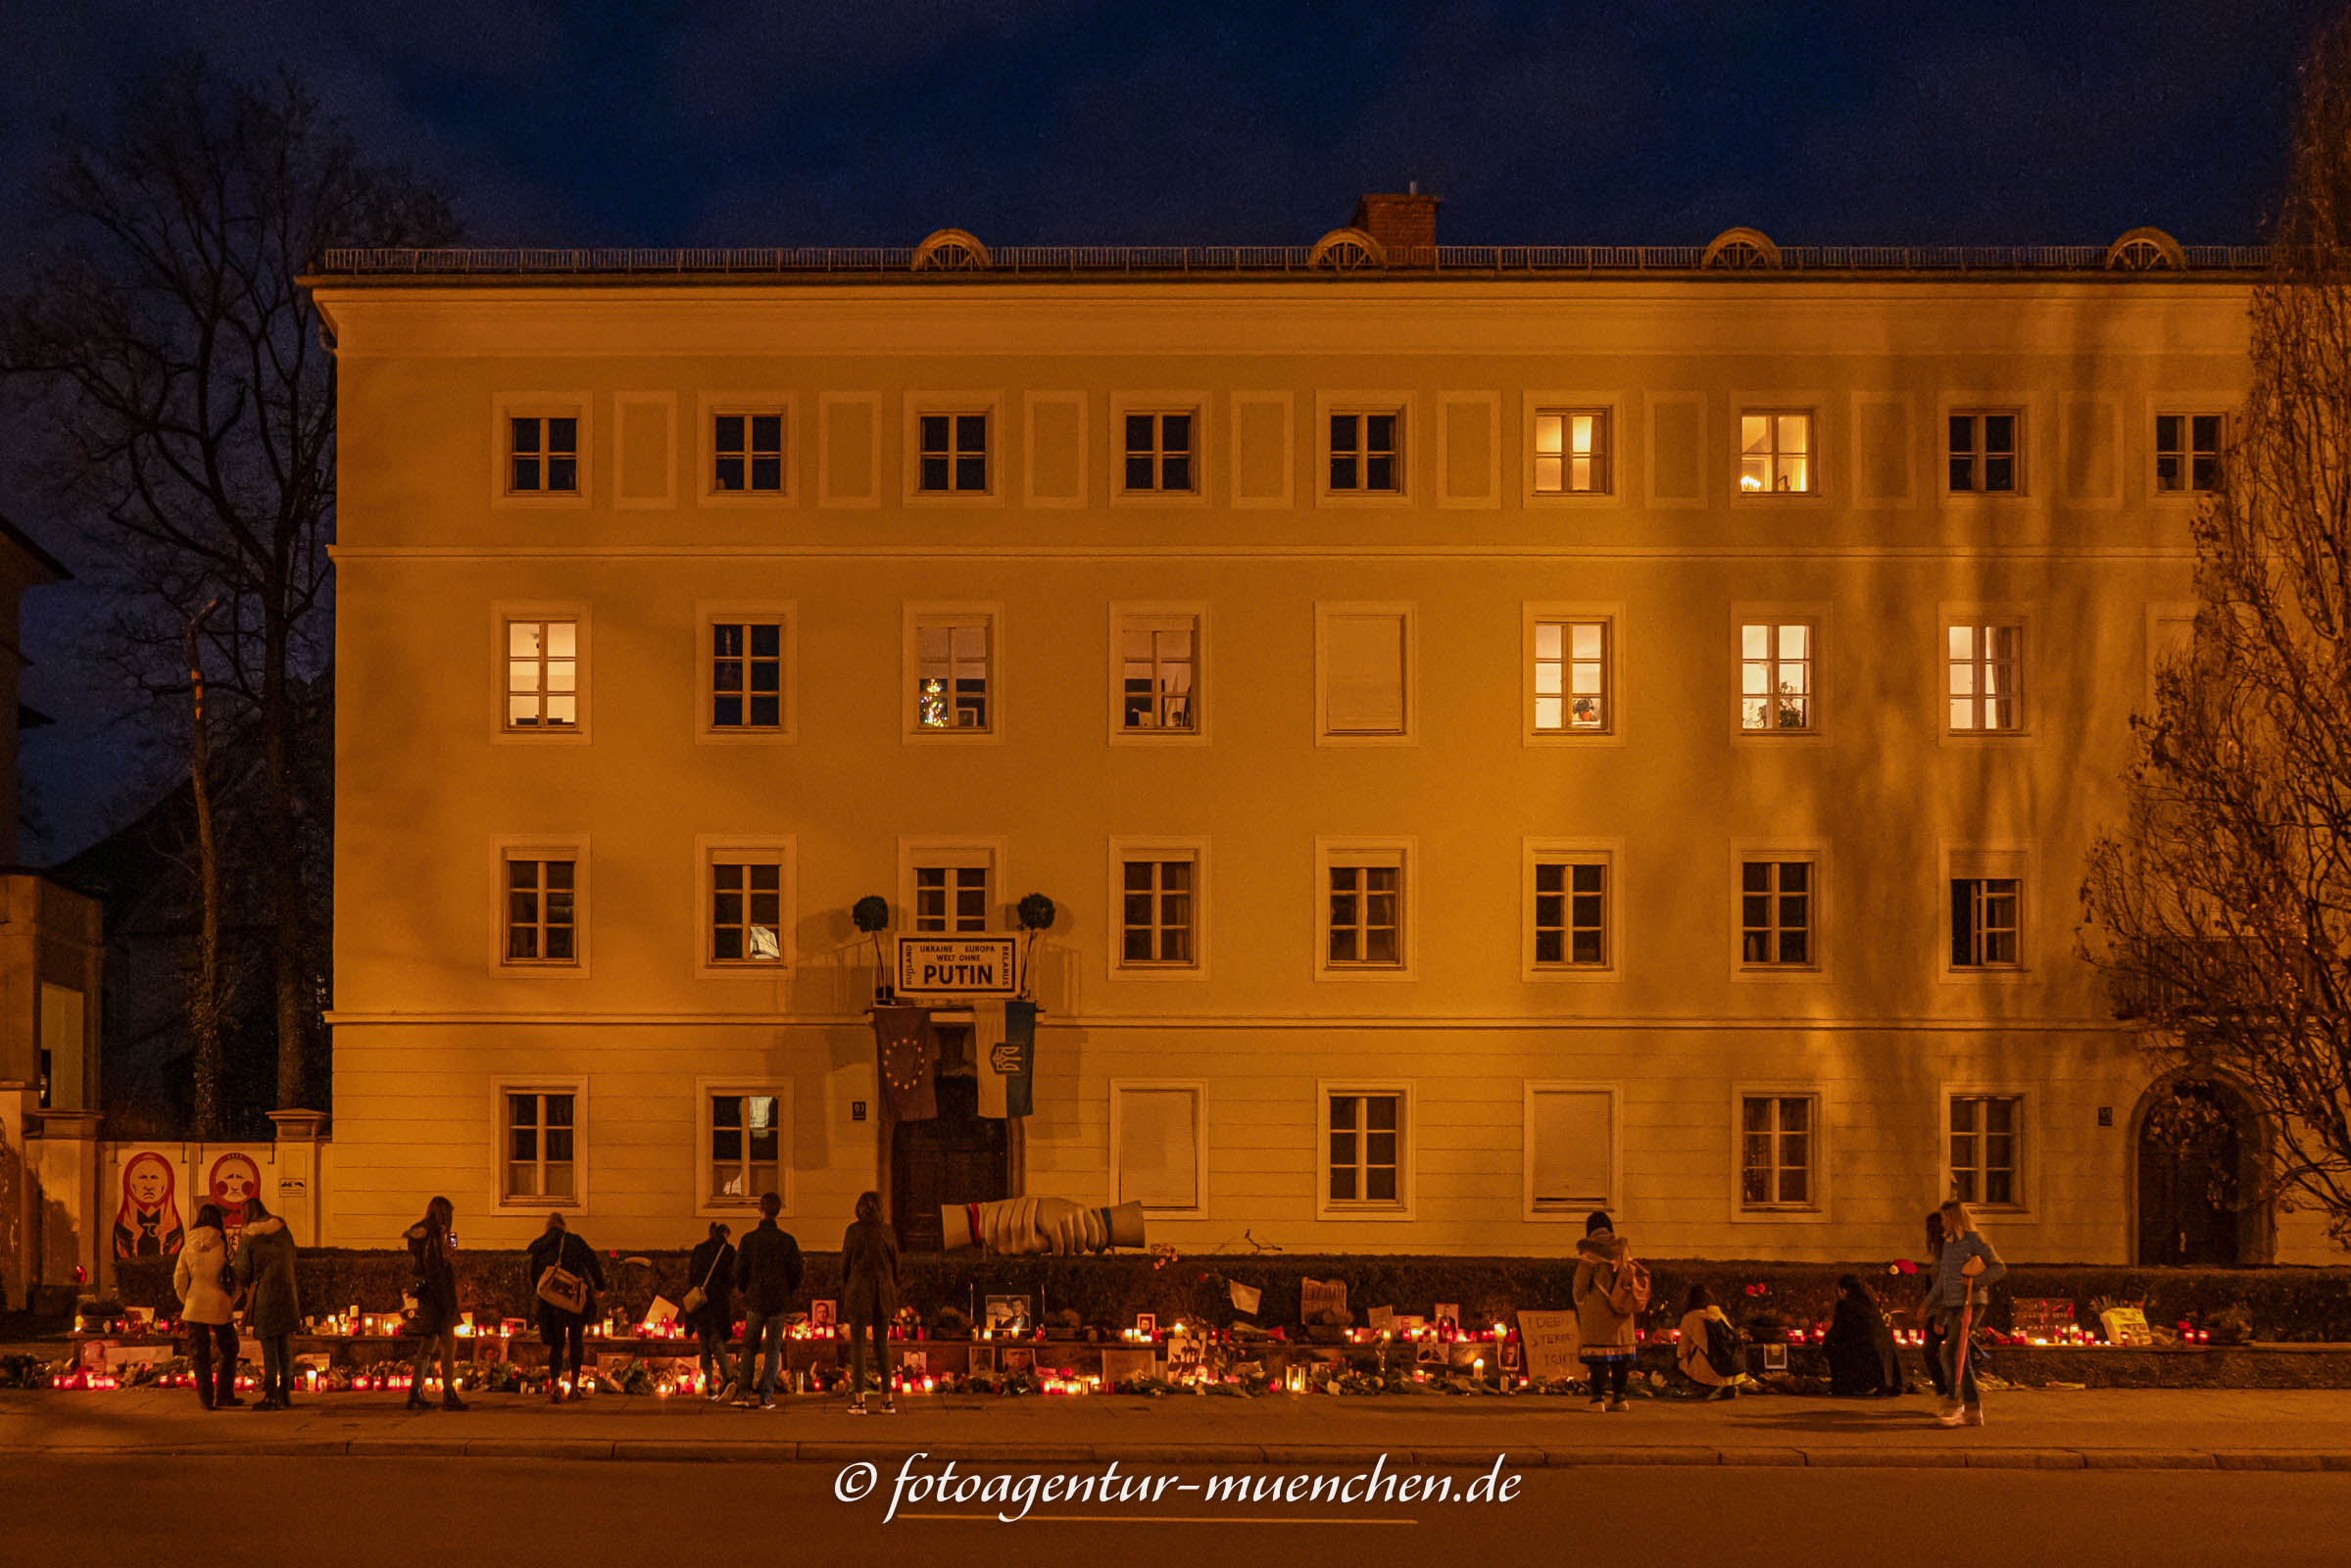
957, 1156
2192, 1149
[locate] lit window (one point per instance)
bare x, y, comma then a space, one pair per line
1984, 913
1571, 452
951, 899
747, 674
1366, 915
1365, 452
1158, 671
1571, 677
2187, 452
1984, 453
1985, 1132
1775, 914
1156, 912
953, 458
1158, 452
542, 675
748, 452
1571, 913
746, 1133
747, 910
1774, 678
952, 676
1986, 662
542, 455
1366, 1148
540, 1156
541, 915
1775, 452
1776, 1152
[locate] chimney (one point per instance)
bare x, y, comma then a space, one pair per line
1405, 225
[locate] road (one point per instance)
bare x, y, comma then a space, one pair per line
421, 1513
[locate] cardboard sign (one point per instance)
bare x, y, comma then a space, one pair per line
1552, 1340
1245, 1296
1186, 1357
956, 967
2125, 1325
2041, 1318
1321, 1296
1380, 1319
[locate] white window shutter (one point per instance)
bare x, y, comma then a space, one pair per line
1363, 673
1158, 1164
1571, 1130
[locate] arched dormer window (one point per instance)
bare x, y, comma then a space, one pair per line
1742, 250
952, 250
2146, 250
1346, 250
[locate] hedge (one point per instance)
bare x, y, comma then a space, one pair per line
1107, 1292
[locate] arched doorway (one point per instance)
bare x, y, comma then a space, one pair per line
957, 1156
2198, 1152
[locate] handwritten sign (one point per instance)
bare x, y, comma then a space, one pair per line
2125, 1325
2039, 1318
1382, 1318
1552, 1340
956, 967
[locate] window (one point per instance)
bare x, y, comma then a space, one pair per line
541, 912
748, 906
1158, 1145
1774, 678
541, 1152
743, 1142
1158, 912
1160, 453
2187, 452
953, 673
950, 898
747, 674
542, 675
1570, 1149
1571, 677
1986, 664
1158, 674
954, 454
1775, 914
1366, 1149
747, 453
1986, 1134
1776, 1142
1366, 915
1365, 661
542, 454
1571, 452
1985, 922
1775, 452
1366, 454
1571, 912
1984, 453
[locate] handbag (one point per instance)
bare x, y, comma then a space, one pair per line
561, 1289
696, 1296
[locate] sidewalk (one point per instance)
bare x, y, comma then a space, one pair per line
2094, 1429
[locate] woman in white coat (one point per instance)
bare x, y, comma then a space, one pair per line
204, 1308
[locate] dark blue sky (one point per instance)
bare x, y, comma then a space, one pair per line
875, 121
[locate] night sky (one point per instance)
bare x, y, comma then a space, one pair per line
1048, 122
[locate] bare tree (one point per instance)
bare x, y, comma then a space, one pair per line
179, 369
2221, 909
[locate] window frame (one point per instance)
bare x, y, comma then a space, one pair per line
2028, 1135
1537, 613
1197, 611
505, 407
915, 614
502, 1087
707, 1089
2175, 408
1534, 407
1814, 852
709, 407
1163, 848
1534, 852
1572, 1212
998, 452
1815, 1210
1816, 616
1338, 851
1367, 404
950, 851
1813, 405
783, 849
1198, 1087
1975, 860
1327, 610
2024, 618
1407, 1163
540, 847
1159, 405
1977, 410
506, 612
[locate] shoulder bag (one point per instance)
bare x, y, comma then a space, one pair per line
561, 1289
696, 1296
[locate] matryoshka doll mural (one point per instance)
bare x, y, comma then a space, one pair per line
147, 1225
235, 1179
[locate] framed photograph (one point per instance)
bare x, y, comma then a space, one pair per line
1013, 1359
824, 1314
1446, 1315
1007, 1314
915, 1363
1146, 1323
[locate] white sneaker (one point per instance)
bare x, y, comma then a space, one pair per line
1972, 1416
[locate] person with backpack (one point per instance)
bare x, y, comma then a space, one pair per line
1609, 1291
1709, 1348
567, 1276
204, 1282
1859, 1346
1964, 1276
768, 1269
433, 1250
272, 1306
709, 1308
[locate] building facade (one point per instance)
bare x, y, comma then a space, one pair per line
1507, 733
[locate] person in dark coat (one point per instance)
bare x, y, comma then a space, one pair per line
264, 1272
1859, 1343
869, 1298
768, 1271
711, 1270
433, 1250
566, 1332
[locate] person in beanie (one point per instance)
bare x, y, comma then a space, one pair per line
767, 1270
566, 1332
1964, 1276
712, 1271
272, 1306
1611, 1288
869, 1298
204, 1307
432, 1248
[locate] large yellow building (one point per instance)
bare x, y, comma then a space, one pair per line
1508, 732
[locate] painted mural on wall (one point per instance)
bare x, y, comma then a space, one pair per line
234, 1180
148, 1225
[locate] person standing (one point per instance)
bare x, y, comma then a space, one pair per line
202, 1280
1930, 1342
1609, 1291
768, 1271
869, 1298
1964, 1276
432, 1248
565, 1330
712, 1271
264, 1272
